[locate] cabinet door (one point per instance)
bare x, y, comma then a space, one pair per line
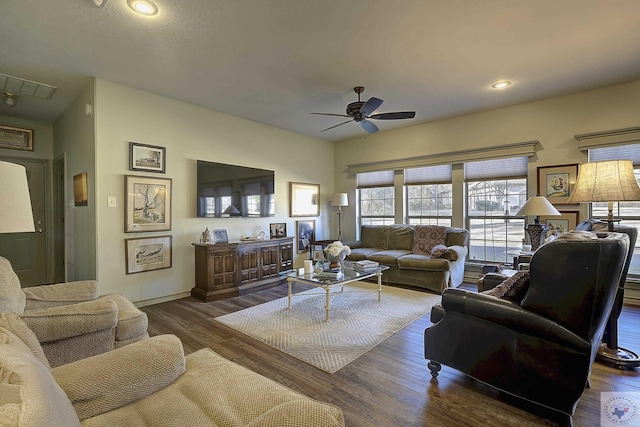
248, 263
286, 256
270, 261
223, 268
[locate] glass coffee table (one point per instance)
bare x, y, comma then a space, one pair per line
334, 287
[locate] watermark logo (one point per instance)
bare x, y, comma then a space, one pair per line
619, 409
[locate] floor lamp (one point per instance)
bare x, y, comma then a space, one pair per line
610, 181
536, 206
16, 215
340, 200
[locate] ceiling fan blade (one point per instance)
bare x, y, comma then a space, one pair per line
370, 106
330, 114
394, 116
335, 126
370, 127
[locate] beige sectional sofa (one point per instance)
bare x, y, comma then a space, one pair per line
426, 256
147, 383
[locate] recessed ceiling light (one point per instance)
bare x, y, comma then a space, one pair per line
501, 84
143, 7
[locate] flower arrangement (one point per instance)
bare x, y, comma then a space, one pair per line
336, 248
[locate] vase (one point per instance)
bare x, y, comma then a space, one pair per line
336, 260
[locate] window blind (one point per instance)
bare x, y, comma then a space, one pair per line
616, 152
428, 175
510, 167
375, 179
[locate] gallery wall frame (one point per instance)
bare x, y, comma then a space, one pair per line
557, 183
147, 204
147, 158
16, 138
304, 199
305, 234
148, 253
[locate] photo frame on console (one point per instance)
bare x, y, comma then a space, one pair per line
219, 236
305, 234
278, 229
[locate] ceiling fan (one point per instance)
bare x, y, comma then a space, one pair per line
361, 111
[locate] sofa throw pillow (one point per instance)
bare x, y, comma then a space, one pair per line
428, 236
441, 251
512, 289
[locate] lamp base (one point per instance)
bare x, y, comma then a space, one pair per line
536, 233
621, 358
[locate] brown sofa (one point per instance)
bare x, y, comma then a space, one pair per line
408, 251
147, 383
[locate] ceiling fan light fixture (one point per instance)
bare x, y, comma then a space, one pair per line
143, 7
501, 84
9, 99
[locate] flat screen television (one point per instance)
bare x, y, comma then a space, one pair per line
234, 191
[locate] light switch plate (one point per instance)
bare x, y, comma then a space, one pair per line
111, 201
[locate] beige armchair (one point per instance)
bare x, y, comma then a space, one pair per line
70, 319
148, 383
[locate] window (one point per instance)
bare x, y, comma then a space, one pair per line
495, 190
376, 198
628, 212
429, 195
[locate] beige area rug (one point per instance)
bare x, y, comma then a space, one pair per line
358, 322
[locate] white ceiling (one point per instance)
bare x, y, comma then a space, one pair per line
276, 61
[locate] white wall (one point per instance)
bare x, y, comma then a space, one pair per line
553, 122
190, 133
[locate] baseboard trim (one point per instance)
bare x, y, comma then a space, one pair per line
162, 299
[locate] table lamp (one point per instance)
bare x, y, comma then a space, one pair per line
606, 181
16, 215
536, 206
340, 200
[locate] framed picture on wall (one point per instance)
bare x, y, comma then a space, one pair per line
304, 199
147, 204
556, 183
148, 253
16, 138
305, 233
560, 224
147, 158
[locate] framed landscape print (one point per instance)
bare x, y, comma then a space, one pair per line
147, 204
304, 199
557, 182
560, 224
305, 233
147, 158
148, 253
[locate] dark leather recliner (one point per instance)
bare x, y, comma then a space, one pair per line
541, 348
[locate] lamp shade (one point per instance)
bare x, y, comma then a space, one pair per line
340, 199
606, 181
15, 203
536, 206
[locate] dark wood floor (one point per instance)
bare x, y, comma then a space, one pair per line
390, 385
